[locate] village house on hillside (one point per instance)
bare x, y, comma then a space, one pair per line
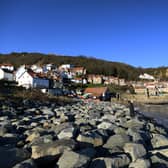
5, 74
95, 79
9, 67
114, 80
65, 67
36, 68
49, 67
122, 82
146, 76
43, 69
111, 80
79, 80
107, 80
30, 79
77, 71
19, 72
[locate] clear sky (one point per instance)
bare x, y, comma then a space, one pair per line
129, 31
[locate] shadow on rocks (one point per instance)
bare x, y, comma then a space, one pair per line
47, 161
83, 145
105, 152
98, 164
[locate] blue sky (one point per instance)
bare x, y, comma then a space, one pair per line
129, 31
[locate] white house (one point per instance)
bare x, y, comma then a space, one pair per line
6, 75
65, 67
50, 67
9, 67
79, 80
22, 69
146, 76
29, 79
37, 68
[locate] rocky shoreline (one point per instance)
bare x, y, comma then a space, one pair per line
83, 134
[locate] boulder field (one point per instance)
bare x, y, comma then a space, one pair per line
80, 135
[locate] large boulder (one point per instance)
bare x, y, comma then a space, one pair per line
47, 111
163, 151
140, 163
118, 161
135, 150
67, 133
134, 134
55, 148
120, 113
117, 140
106, 125
119, 130
159, 140
63, 118
109, 117
12, 156
85, 128
159, 160
3, 130
72, 159
40, 140
32, 136
58, 128
91, 138
134, 123
26, 164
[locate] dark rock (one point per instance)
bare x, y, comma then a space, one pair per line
118, 161
26, 164
159, 161
12, 156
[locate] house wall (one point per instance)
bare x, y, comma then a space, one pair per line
40, 83
122, 82
56, 91
114, 81
10, 68
1, 74
97, 80
25, 80
19, 72
6, 76
90, 80
79, 72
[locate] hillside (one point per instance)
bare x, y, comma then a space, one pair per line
93, 65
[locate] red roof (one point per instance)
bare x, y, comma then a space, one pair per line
6, 64
96, 91
36, 75
76, 69
31, 73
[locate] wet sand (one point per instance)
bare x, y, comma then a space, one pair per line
155, 107
157, 112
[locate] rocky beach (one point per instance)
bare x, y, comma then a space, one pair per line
79, 135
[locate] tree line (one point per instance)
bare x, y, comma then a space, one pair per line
93, 65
